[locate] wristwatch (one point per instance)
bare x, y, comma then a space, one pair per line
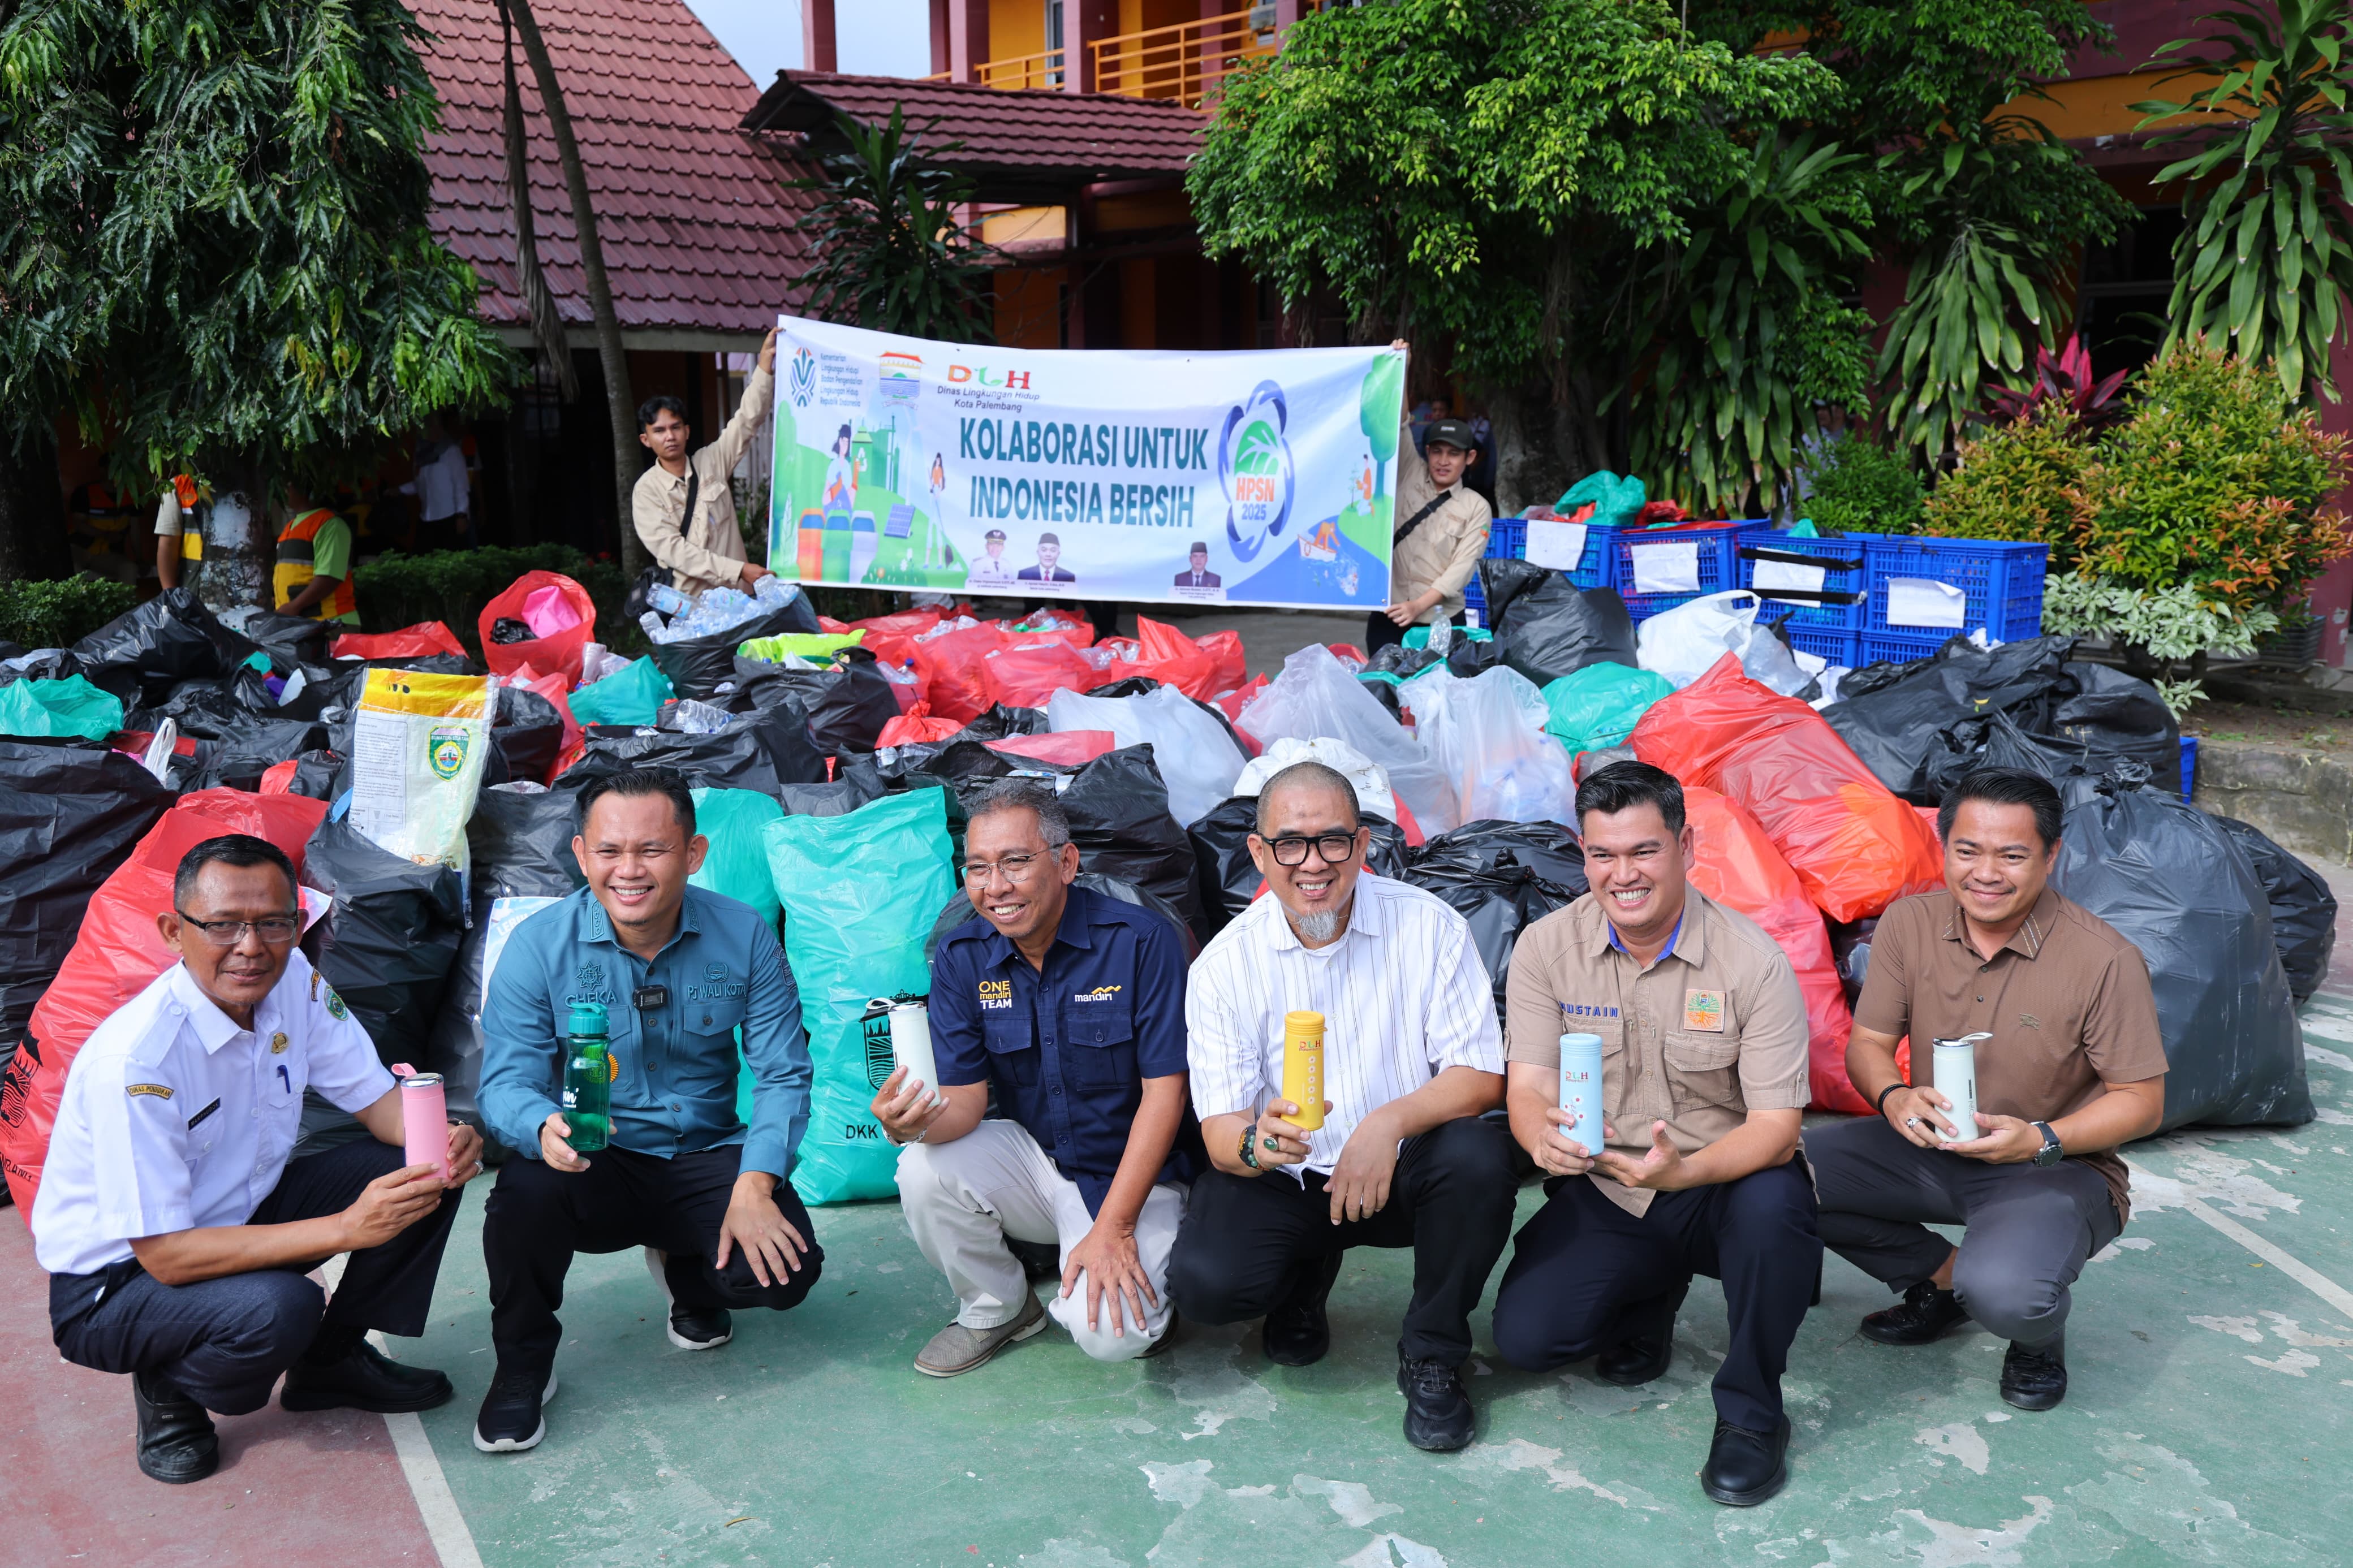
2051, 1153
1249, 1146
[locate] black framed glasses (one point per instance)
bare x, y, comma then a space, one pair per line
275, 929
1292, 848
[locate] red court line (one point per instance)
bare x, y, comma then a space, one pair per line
324, 1487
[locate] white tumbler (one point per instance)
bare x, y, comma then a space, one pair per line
911, 1043
1956, 1070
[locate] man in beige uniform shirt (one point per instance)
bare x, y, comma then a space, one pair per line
1703, 1082
1441, 532
705, 550
2074, 1066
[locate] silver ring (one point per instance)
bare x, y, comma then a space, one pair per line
1910, 1122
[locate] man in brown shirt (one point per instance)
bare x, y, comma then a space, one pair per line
704, 549
1703, 1082
1441, 532
2073, 1068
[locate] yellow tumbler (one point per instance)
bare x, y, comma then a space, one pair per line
1302, 1068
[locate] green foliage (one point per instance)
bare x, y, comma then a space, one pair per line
453, 585
2265, 257
2170, 623
216, 245
60, 614
1862, 487
2031, 478
892, 253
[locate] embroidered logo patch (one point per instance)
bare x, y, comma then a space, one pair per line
335, 1007
1100, 993
996, 993
2029, 1021
1585, 1010
159, 1090
1703, 1011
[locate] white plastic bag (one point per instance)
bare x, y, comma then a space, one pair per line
1197, 760
1313, 696
1682, 643
1487, 736
1371, 785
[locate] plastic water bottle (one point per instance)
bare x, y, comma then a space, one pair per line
662, 596
654, 629
587, 1078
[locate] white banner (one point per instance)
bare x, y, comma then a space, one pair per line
1253, 477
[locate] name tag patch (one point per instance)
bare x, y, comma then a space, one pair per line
159, 1090
1703, 1011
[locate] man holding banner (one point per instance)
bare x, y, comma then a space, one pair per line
1442, 531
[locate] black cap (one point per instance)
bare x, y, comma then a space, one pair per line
1455, 433
993, 533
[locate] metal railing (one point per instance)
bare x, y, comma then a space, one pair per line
1040, 70
1184, 62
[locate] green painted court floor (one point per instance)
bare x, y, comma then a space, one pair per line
2210, 1353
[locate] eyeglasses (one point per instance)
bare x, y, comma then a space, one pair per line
1015, 868
275, 929
1292, 849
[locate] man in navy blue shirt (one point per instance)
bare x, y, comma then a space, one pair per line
678, 970
1072, 1006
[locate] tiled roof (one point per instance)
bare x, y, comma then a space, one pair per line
697, 218
1016, 143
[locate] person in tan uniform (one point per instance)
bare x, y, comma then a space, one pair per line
683, 507
1441, 532
2074, 1066
1704, 1085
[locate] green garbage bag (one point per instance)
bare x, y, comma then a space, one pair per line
1418, 637
1615, 500
858, 892
1600, 705
736, 867
635, 696
817, 647
68, 707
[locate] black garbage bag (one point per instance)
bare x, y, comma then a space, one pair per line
1230, 878
1851, 951
856, 784
2304, 912
2180, 887
293, 641
1501, 876
526, 737
70, 812
2121, 715
848, 702
44, 664
238, 759
1395, 659
1548, 626
509, 630
1995, 741
958, 909
1893, 726
699, 667
388, 944
1468, 656
1384, 692
319, 774
765, 752
140, 655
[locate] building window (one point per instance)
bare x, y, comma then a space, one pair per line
2120, 306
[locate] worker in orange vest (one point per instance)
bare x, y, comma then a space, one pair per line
314, 563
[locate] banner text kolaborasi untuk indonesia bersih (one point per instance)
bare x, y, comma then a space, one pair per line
1029, 499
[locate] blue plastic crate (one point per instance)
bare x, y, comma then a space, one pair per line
2188, 765
1507, 538
1838, 577
1838, 648
1874, 646
2000, 579
1717, 565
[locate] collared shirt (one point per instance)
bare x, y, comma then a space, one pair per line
1069, 1047
1714, 1028
1444, 552
175, 1117
674, 1092
1403, 993
440, 485
706, 549
2066, 999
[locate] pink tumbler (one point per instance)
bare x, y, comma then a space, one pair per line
425, 1116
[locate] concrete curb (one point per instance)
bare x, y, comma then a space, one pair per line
2303, 800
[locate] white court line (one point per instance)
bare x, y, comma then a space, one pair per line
2303, 1274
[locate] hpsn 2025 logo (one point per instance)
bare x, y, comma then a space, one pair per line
1255, 468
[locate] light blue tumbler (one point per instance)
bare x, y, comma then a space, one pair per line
1580, 1090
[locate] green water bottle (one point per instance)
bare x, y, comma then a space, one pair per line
587, 1078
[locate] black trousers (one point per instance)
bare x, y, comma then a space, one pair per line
538, 1217
2029, 1229
1583, 1264
1248, 1240
225, 1341
1380, 631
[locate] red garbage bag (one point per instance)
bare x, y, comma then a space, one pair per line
1228, 668
908, 730
278, 776
559, 654
558, 693
1172, 659
1854, 846
1065, 748
426, 637
950, 663
1063, 624
1735, 864
1027, 673
117, 955
1231, 703
892, 638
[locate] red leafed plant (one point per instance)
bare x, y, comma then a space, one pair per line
2065, 383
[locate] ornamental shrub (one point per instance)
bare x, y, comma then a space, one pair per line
60, 614
1862, 487
2028, 480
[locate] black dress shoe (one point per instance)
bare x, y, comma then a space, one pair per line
1926, 1313
2035, 1379
1437, 1407
1646, 1341
1744, 1467
1297, 1333
176, 1440
363, 1378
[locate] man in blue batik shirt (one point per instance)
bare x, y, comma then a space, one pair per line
1072, 1005
678, 970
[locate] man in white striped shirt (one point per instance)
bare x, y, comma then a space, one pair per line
1412, 1054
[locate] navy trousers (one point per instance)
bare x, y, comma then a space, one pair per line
225, 1341
1583, 1265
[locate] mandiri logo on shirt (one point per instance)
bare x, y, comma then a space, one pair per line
1100, 993
996, 993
